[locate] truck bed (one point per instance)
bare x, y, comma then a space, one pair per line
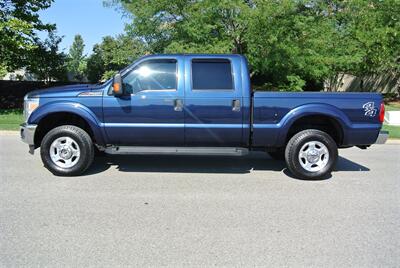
356, 113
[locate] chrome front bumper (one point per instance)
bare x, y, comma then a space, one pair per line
382, 137
27, 133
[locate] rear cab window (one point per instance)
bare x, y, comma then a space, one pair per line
212, 74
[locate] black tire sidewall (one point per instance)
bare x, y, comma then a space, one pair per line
292, 153
80, 137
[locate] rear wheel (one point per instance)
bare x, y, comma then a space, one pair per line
67, 150
311, 154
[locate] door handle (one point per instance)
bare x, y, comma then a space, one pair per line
178, 105
236, 105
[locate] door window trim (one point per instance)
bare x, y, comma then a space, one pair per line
211, 89
127, 72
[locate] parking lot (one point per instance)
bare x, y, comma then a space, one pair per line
199, 211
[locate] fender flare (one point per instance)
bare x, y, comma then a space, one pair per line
73, 108
313, 109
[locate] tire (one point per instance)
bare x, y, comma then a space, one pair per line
67, 151
311, 154
278, 155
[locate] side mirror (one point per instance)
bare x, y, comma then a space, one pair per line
117, 85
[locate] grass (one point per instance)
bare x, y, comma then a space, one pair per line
392, 106
11, 119
394, 131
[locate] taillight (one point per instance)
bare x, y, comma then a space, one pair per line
382, 112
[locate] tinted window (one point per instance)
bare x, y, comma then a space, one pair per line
151, 75
212, 74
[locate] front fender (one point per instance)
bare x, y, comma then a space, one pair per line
312, 109
69, 107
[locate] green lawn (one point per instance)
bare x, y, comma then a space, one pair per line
392, 106
394, 131
10, 119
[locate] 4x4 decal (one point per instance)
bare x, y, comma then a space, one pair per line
370, 109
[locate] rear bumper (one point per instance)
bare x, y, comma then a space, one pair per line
27, 133
382, 137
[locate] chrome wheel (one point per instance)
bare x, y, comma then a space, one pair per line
313, 156
65, 152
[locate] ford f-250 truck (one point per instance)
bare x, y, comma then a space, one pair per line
196, 104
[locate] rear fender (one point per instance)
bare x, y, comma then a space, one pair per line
312, 109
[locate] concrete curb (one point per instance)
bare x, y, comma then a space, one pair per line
393, 141
14, 132
9, 132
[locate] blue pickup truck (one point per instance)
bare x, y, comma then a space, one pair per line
196, 104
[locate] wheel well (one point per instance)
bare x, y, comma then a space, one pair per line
320, 122
58, 119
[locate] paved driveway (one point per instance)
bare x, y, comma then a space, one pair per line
199, 211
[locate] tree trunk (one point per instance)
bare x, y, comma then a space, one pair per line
362, 84
339, 81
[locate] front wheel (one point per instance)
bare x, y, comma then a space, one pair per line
311, 154
67, 150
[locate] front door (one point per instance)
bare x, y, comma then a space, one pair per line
213, 102
151, 111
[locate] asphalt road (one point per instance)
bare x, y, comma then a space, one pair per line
199, 211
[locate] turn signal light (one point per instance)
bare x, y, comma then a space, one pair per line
116, 87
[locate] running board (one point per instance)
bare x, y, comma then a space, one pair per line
176, 150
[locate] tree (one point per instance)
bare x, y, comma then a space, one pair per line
112, 55
290, 44
95, 65
3, 71
207, 26
76, 63
293, 39
49, 64
188, 26
19, 24
375, 27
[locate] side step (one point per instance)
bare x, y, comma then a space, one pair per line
176, 150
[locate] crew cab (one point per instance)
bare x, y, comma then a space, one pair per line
196, 104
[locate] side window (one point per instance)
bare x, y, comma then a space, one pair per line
212, 74
151, 75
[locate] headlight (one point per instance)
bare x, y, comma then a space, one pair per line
29, 106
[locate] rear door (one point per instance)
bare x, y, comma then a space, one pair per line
213, 101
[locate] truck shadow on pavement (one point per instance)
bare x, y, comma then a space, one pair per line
202, 164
